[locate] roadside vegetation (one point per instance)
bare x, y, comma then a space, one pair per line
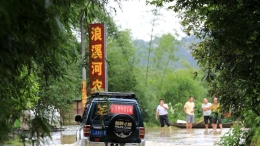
229, 56
39, 59
162, 80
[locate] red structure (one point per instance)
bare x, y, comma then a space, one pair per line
97, 55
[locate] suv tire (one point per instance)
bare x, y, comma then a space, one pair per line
122, 127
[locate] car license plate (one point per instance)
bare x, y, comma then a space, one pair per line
98, 133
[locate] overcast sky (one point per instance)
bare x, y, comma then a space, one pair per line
137, 16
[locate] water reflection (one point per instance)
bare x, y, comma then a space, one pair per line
68, 139
68, 136
206, 132
163, 137
154, 137
191, 132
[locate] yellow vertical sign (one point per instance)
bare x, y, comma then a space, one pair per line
97, 56
84, 95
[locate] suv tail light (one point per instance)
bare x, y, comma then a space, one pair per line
86, 130
141, 132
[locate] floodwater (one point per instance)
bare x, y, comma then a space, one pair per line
153, 137
183, 137
63, 138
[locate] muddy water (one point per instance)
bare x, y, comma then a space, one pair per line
63, 138
154, 137
182, 137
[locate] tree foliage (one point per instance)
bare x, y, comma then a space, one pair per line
166, 82
127, 66
121, 63
37, 49
229, 52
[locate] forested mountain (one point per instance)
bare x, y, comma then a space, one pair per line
183, 53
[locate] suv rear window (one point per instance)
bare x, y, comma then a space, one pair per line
106, 111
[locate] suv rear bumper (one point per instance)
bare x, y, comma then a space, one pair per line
89, 143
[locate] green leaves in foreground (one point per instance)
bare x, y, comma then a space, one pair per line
230, 50
37, 48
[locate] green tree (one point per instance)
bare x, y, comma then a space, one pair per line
164, 55
121, 63
33, 35
178, 86
229, 54
174, 86
156, 14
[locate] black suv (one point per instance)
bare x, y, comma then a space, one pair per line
111, 119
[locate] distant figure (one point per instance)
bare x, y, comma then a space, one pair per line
206, 107
189, 110
163, 115
215, 114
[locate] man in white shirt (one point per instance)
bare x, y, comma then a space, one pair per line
206, 112
163, 115
189, 110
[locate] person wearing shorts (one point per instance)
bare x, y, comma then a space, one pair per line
206, 108
162, 112
215, 107
189, 110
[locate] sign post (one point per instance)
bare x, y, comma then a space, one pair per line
97, 56
83, 54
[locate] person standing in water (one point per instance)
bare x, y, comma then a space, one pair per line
163, 115
216, 117
189, 110
206, 107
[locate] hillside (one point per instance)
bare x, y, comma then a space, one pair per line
182, 54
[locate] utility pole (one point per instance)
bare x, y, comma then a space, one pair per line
83, 55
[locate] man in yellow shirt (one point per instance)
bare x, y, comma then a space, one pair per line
215, 114
189, 110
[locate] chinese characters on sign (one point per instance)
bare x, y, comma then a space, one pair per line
121, 109
97, 54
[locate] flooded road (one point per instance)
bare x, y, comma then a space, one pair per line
153, 137
63, 138
182, 137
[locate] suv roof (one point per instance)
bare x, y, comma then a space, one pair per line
116, 100
114, 95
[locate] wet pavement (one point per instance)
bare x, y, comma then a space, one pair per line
182, 137
153, 137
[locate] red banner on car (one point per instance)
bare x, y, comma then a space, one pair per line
121, 109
